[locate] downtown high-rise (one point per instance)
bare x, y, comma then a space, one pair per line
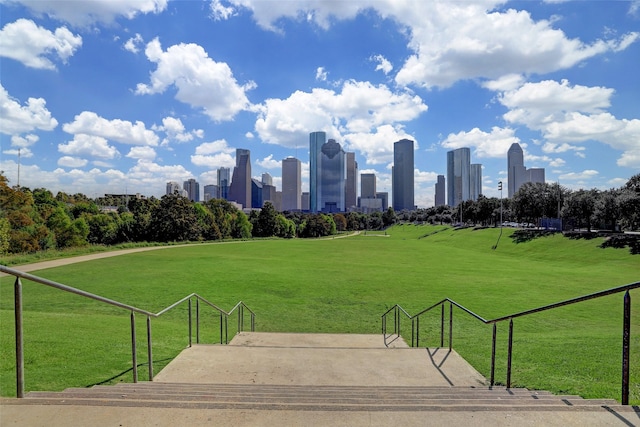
240, 189
517, 173
327, 170
402, 175
458, 176
291, 184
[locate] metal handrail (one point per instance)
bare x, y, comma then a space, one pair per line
415, 330
133, 310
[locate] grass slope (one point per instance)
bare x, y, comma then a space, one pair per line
342, 285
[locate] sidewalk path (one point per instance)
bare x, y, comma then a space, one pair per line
27, 268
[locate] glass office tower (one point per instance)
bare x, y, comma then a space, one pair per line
458, 170
316, 140
402, 175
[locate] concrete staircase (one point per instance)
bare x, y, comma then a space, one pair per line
312, 380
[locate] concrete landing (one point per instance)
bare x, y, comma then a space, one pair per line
318, 359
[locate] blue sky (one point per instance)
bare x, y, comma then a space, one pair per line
123, 96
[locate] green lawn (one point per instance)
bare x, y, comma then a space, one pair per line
342, 285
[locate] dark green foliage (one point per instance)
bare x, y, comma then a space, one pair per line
175, 220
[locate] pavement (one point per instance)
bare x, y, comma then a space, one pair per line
299, 359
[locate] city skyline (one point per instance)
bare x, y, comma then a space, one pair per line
109, 98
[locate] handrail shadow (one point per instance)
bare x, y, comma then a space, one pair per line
224, 320
415, 327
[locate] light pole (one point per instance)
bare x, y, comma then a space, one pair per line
500, 188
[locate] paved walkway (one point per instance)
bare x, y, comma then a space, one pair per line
319, 359
27, 268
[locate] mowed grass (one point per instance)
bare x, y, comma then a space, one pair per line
342, 285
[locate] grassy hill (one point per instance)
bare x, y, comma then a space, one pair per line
342, 285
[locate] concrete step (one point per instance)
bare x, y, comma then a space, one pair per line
314, 398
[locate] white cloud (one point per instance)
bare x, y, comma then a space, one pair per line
384, 64
22, 152
89, 145
83, 13
123, 131
219, 146
321, 74
142, 153
32, 45
214, 155
320, 12
359, 114
219, 12
23, 142
579, 176
507, 82
16, 119
175, 131
538, 104
568, 115
200, 81
493, 144
132, 45
72, 162
453, 40
458, 41
269, 163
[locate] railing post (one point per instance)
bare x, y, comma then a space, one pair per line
134, 352
397, 320
19, 339
221, 327
190, 322
417, 320
626, 338
226, 329
510, 353
450, 326
149, 348
197, 321
442, 325
493, 354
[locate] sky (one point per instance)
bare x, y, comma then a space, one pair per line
112, 96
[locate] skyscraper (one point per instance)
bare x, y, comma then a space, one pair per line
210, 192
440, 198
402, 175
316, 140
351, 190
173, 187
458, 170
475, 181
240, 189
517, 173
291, 184
515, 169
368, 186
224, 181
332, 178
192, 187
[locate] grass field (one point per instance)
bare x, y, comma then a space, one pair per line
342, 285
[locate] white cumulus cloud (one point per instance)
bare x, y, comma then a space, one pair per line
34, 46
123, 131
84, 13
200, 81
17, 119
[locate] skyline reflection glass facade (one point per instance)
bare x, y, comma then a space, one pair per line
458, 170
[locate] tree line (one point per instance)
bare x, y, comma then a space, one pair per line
35, 220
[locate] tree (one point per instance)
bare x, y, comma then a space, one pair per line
341, 222
241, 226
266, 224
389, 217
175, 220
581, 206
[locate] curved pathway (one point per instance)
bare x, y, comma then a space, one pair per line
27, 268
